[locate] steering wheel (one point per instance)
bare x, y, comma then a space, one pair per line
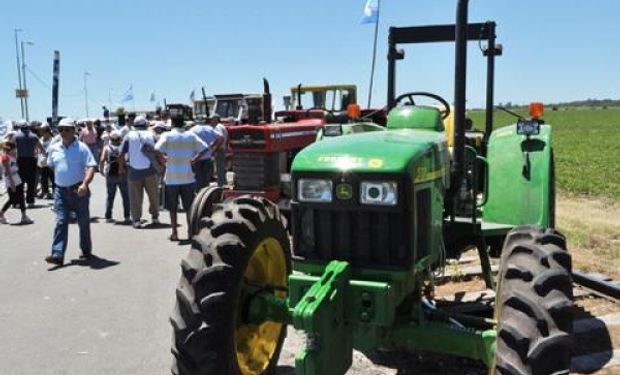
409, 95
331, 113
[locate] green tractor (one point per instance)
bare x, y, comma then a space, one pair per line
374, 216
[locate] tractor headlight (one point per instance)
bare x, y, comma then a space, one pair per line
384, 193
314, 190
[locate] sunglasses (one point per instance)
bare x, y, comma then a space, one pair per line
62, 130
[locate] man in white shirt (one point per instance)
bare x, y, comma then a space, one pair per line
219, 149
141, 171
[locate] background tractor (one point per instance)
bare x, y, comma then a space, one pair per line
374, 216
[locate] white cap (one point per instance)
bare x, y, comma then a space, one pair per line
160, 125
140, 121
67, 123
21, 124
115, 134
45, 125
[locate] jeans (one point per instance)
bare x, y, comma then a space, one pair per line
111, 184
220, 165
28, 174
203, 170
65, 201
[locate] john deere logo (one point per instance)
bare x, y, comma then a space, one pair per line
344, 191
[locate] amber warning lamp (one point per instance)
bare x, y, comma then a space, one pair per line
354, 111
536, 110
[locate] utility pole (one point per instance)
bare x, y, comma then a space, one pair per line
86, 74
19, 72
24, 77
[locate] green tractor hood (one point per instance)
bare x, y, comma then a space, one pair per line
389, 151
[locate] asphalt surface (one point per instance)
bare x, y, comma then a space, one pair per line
107, 318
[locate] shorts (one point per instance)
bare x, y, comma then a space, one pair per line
173, 192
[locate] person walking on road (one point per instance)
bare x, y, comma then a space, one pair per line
90, 137
203, 168
141, 170
13, 182
219, 150
46, 174
109, 167
181, 149
74, 169
27, 147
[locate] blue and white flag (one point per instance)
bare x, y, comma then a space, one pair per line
192, 96
128, 95
371, 12
152, 99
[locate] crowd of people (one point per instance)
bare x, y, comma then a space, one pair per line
168, 160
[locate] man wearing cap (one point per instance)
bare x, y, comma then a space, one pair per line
141, 172
203, 168
74, 168
219, 150
27, 147
109, 167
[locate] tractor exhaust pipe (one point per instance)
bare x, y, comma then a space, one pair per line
299, 107
460, 91
266, 101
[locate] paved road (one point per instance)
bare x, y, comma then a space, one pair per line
111, 318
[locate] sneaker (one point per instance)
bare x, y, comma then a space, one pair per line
3, 220
26, 220
127, 220
137, 224
53, 259
155, 221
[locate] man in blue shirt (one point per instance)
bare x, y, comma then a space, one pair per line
74, 169
203, 168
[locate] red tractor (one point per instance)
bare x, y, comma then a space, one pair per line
263, 149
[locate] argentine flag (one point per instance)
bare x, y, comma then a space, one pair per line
371, 12
128, 95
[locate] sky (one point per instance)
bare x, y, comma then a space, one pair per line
554, 50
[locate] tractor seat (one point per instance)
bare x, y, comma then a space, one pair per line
415, 117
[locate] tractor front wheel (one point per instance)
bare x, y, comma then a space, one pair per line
534, 304
242, 246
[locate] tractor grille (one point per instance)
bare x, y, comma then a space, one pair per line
247, 139
256, 171
371, 239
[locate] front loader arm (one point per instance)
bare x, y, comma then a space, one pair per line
322, 315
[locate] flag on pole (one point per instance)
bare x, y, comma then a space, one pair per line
371, 12
128, 94
192, 96
152, 99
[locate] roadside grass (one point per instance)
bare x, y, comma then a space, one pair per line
587, 148
592, 229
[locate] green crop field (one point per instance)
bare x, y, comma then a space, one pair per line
587, 148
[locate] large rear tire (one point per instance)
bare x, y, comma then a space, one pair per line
534, 304
244, 242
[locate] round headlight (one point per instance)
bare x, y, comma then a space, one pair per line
379, 193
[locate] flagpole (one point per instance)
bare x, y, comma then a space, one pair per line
374, 53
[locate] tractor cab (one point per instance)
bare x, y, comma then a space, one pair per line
236, 109
329, 102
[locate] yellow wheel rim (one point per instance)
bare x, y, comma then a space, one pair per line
256, 344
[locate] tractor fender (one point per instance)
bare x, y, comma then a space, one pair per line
521, 178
